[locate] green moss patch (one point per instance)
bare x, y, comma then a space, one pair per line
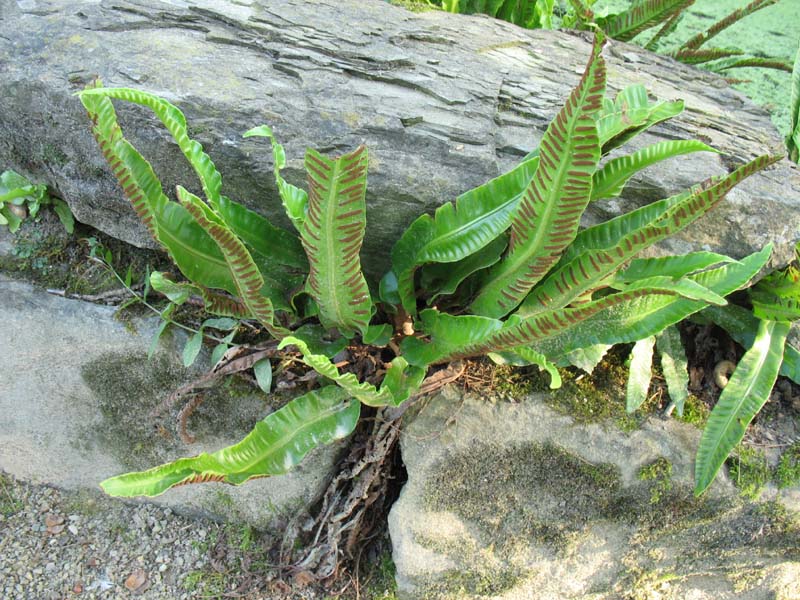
659, 475
787, 473
128, 387
45, 254
587, 398
749, 471
530, 491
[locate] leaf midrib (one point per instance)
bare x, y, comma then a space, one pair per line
532, 249
330, 242
470, 225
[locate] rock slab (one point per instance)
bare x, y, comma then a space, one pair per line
76, 395
516, 501
444, 102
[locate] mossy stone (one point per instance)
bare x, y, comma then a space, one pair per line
129, 387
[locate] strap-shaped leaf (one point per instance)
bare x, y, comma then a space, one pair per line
671, 266
175, 122
630, 108
624, 122
585, 358
591, 269
609, 233
619, 318
747, 391
400, 381
192, 250
457, 231
642, 15
295, 200
741, 325
777, 296
547, 218
641, 372
332, 234
721, 25
684, 287
133, 173
190, 247
449, 335
648, 315
245, 274
455, 337
277, 444
277, 253
262, 237
540, 360
609, 181
674, 366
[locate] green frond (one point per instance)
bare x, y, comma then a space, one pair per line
459, 230
244, 272
747, 391
547, 218
640, 373
277, 444
642, 15
648, 315
609, 181
674, 366
295, 200
175, 122
332, 234
591, 269
741, 324
630, 114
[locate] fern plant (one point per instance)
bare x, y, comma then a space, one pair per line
644, 15
640, 17
504, 270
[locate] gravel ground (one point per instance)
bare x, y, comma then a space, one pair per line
68, 545
56, 544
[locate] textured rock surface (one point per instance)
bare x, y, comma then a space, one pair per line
443, 102
76, 391
515, 501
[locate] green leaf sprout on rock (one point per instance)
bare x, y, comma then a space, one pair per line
21, 199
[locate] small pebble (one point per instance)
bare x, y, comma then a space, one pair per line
40, 561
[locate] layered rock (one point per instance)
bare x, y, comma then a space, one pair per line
443, 102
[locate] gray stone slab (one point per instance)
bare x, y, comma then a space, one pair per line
515, 501
76, 392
